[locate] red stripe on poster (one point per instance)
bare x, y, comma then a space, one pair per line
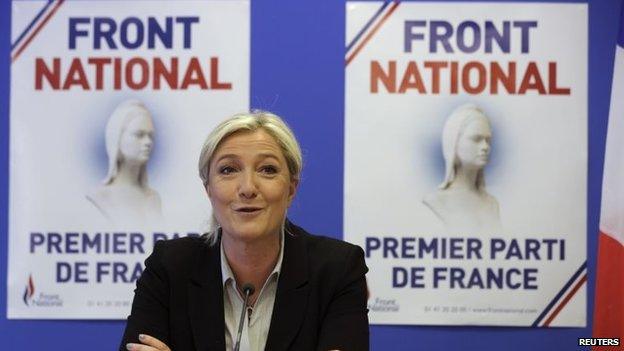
36, 31
565, 300
371, 33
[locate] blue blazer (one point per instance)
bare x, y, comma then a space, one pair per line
320, 303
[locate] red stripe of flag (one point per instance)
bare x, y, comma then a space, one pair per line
609, 308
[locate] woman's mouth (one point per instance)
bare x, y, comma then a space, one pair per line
248, 209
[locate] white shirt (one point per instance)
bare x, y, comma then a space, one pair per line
258, 319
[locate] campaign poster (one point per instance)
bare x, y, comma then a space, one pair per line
110, 104
466, 161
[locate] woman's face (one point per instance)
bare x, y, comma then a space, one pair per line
473, 145
137, 139
249, 186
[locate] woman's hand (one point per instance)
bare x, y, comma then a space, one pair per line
150, 344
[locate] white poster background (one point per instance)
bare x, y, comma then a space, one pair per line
58, 156
537, 171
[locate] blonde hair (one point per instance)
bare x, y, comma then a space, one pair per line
250, 122
453, 128
117, 123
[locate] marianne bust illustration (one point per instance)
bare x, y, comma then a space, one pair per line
124, 198
462, 202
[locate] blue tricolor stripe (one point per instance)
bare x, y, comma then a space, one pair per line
370, 29
37, 25
368, 24
620, 41
556, 299
32, 23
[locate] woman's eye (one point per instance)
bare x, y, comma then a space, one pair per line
225, 170
268, 169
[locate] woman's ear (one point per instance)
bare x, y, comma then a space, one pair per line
207, 188
292, 189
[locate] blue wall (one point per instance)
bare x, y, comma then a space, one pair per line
297, 71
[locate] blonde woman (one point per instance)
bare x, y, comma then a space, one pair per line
256, 272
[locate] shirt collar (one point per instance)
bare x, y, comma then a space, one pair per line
226, 270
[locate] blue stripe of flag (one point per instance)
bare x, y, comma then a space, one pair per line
621, 36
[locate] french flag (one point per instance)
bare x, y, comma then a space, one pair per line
609, 308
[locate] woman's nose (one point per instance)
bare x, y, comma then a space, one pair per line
248, 188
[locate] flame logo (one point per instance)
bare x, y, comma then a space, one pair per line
29, 291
